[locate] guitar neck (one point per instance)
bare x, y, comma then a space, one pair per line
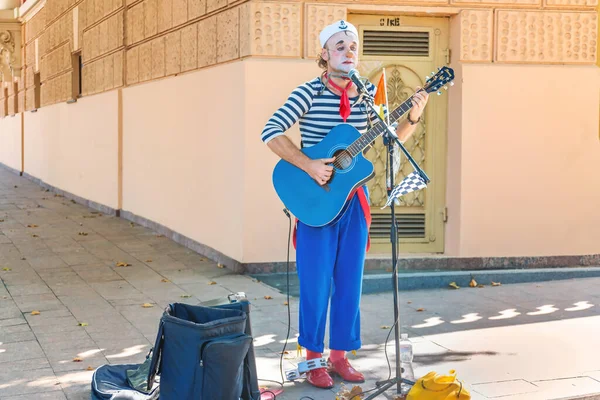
360, 144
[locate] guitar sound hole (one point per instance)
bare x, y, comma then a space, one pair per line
343, 159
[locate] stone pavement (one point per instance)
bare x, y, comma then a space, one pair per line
58, 260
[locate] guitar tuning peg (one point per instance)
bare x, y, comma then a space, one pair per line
451, 83
439, 93
426, 78
445, 87
432, 73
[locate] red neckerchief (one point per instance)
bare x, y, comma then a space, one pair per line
344, 101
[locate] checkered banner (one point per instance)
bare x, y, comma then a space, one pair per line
411, 183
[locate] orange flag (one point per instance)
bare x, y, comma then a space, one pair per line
380, 94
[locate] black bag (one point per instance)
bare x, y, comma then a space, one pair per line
200, 353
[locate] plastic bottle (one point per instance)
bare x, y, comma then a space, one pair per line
406, 359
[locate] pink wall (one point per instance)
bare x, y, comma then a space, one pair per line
10, 141
183, 155
74, 147
454, 144
530, 161
268, 85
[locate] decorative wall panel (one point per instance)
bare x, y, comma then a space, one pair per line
546, 37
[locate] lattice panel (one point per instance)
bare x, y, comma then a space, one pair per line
476, 35
398, 92
317, 18
546, 37
271, 29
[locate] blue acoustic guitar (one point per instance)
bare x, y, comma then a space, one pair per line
318, 205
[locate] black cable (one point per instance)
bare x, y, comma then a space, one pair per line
289, 314
286, 212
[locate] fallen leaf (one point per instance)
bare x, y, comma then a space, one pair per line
165, 280
420, 309
480, 286
73, 201
159, 235
23, 258
147, 305
268, 297
90, 368
496, 283
148, 260
454, 285
123, 264
385, 327
57, 195
219, 265
6, 269
409, 302
32, 226
35, 313
212, 283
83, 324
185, 296
77, 359
284, 352
473, 282
285, 303
132, 224
1, 220
34, 235
16, 186
82, 234
355, 393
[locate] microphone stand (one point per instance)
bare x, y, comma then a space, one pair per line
389, 138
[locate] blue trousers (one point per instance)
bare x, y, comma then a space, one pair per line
330, 262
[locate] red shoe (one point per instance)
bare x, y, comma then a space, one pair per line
345, 371
319, 378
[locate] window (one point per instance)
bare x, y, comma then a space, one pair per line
76, 65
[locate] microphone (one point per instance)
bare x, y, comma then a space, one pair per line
355, 78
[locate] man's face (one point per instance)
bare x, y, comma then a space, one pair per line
341, 52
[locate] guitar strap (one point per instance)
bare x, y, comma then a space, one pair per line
364, 203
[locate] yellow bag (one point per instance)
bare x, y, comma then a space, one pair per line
438, 387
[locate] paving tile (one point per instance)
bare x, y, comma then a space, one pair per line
28, 289
53, 395
40, 302
26, 382
16, 351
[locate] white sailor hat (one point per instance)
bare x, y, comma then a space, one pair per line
338, 26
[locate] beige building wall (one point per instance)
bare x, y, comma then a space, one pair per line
184, 162
10, 142
74, 147
528, 181
199, 79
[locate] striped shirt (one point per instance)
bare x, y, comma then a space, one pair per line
316, 108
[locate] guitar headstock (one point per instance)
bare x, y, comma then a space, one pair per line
438, 80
